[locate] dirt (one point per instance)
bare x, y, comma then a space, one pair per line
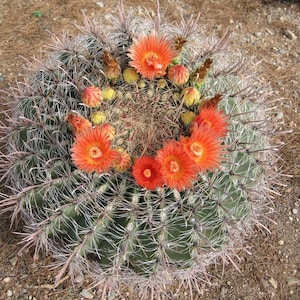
268, 30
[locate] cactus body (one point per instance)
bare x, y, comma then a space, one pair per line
122, 229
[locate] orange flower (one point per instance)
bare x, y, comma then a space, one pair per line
203, 147
177, 168
78, 123
92, 96
151, 55
123, 162
146, 172
213, 119
92, 151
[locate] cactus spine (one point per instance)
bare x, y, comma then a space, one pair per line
127, 233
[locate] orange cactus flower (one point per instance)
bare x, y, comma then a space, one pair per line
146, 172
77, 122
213, 119
123, 163
92, 151
92, 96
178, 74
177, 168
203, 147
151, 55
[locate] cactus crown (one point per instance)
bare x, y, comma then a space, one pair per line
145, 157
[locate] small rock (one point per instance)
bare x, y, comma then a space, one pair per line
9, 293
100, 4
279, 115
6, 280
13, 261
281, 242
273, 282
295, 211
290, 34
223, 293
258, 34
86, 294
292, 280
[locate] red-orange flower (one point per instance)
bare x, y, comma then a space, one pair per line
213, 119
151, 55
92, 151
203, 147
146, 172
77, 122
177, 168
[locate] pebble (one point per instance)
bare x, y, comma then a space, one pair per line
290, 34
273, 282
258, 34
86, 294
9, 293
295, 211
281, 242
13, 261
6, 280
100, 4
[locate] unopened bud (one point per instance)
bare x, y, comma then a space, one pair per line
98, 118
130, 75
77, 122
109, 94
178, 74
188, 117
92, 96
190, 96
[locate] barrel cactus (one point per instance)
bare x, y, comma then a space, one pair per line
139, 152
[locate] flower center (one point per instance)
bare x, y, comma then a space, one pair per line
208, 123
95, 152
197, 149
147, 173
174, 166
152, 59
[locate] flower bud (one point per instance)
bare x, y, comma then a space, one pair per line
141, 84
178, 74
92, 96
98, 118
187, 118
190, 96
109, 94
78, 123
130, 75
123, 163
109, 131
161, 83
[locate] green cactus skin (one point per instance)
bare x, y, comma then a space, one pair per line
121, 232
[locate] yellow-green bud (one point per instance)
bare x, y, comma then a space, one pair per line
161, 83
141, 84
130, 75
190, 96
98, 117
188, 118
109, 94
